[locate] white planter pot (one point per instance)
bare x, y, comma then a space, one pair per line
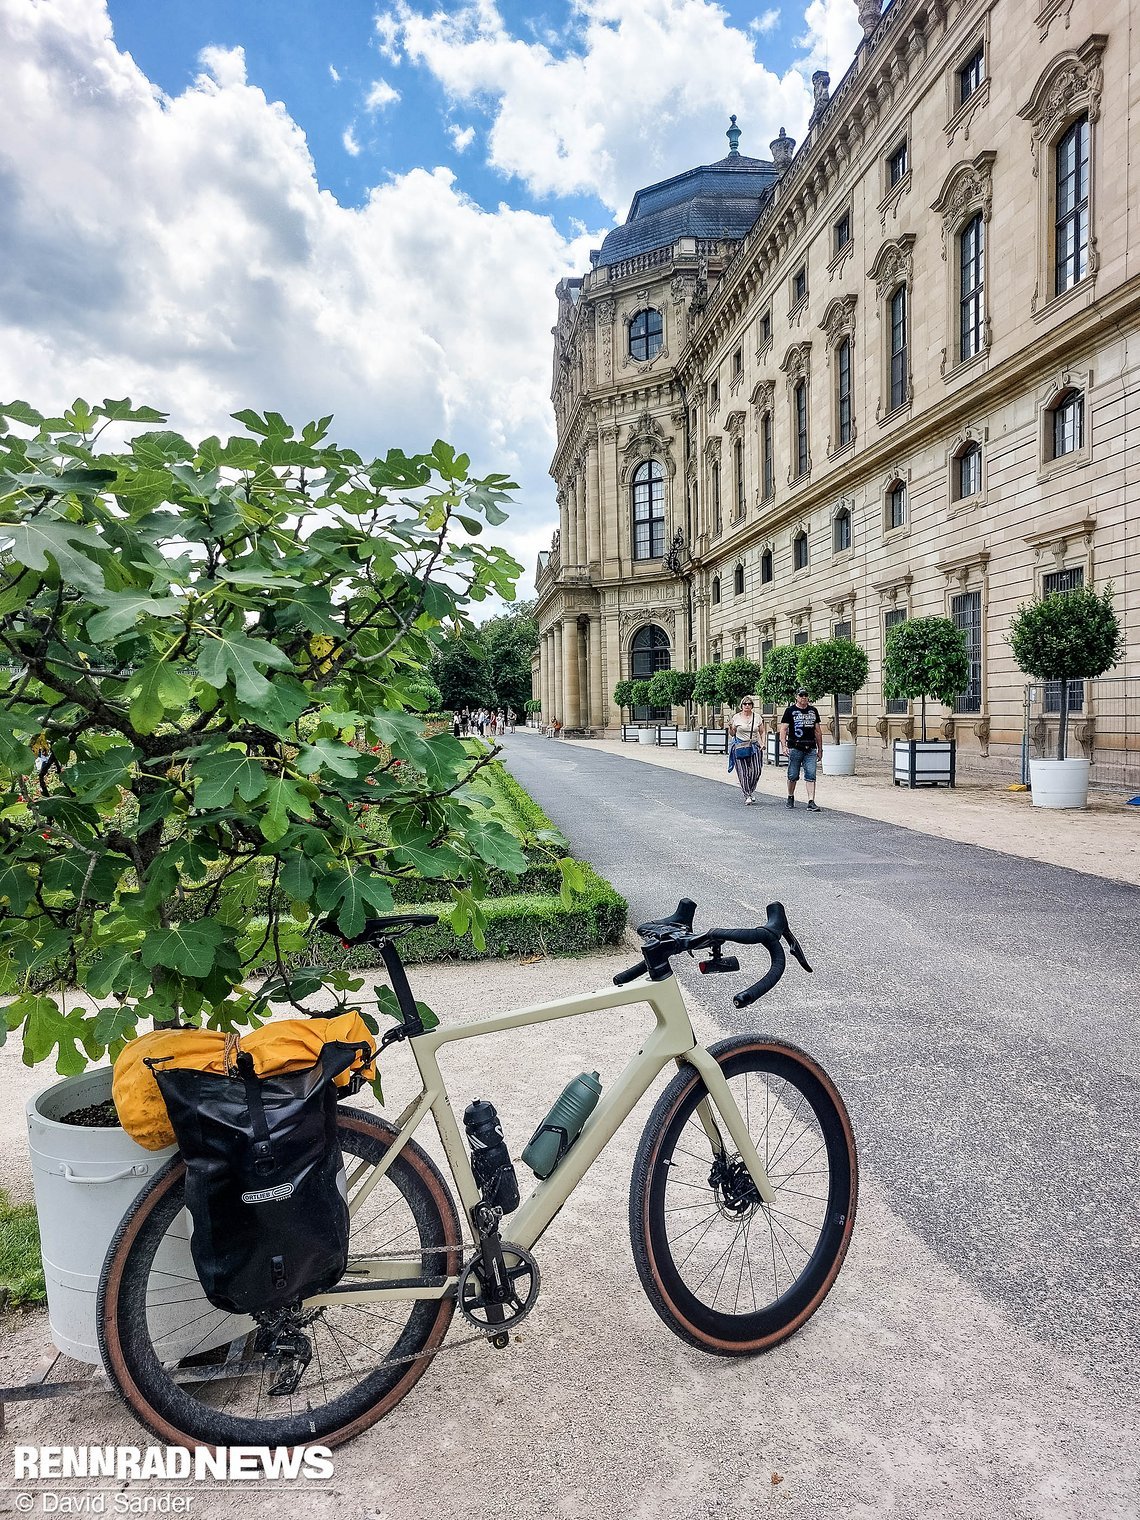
85, 1181
647, 735
1059, 783
687, 738
839, 759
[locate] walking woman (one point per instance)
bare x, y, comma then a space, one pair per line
745, 751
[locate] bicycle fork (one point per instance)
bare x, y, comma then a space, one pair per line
721, 1099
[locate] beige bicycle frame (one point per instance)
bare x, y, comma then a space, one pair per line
671, 1039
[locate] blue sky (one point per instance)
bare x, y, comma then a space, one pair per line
355, 208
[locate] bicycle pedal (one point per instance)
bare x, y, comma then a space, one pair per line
500, 1341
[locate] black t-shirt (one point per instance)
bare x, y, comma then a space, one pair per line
803, 724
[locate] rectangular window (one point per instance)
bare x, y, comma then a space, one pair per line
738, 469
738, 364
1069, 425
969, 467
972, 274
716, 497
766, 458
800, 400
896, 505
799, 285
896, 706
971, 74
765, 329
801, 639
897, 164
1063, 580
843, 631
966, 612
842, 232
738, 652
714, 393
1072, 192
898, 348
843, 390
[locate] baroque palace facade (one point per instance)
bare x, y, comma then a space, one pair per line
892, 374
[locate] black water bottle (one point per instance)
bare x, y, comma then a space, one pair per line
490, 1160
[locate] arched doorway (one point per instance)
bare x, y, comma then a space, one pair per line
649, 653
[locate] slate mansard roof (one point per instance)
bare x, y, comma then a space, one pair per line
720, 200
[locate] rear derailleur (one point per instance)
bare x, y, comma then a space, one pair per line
281, 1339
499, 1285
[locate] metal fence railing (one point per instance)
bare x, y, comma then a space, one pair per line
1103, 728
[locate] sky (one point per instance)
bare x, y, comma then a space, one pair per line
331, 206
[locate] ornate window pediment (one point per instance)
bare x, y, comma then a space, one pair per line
734, 422
763, 394
797, 362
894, 265
1071, 84
967, 189
713, 448
647, 440
838, 320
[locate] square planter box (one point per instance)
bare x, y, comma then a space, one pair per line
629, 732
714, 741
774, 751
924, 762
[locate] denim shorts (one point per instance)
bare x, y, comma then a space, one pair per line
801, 758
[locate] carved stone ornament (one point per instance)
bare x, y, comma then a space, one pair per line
893, 266
1049, 12
1072, 83
763, 395
647, 440
838, 320
968, 189
797, 362
734, 422
632, 618
605, 310
713, 447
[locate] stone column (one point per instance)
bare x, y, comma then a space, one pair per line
583, 514
597, 695
572, 715
565, 553
593, 505
547, 675
614, 671
556, 696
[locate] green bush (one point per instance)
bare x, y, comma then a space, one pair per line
832, 667
735, 679
705, 691
1067, 636
661, 689
926, 657
639, 694
778, 678
623, 696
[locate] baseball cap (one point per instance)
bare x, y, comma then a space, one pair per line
801, 691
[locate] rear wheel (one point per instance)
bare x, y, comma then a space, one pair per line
724, 1270
195, 1374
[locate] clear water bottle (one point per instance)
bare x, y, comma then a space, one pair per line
491, 1162
563, 1124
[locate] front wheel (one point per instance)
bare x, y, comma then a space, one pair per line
724, 1270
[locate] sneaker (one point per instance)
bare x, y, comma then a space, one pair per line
791, 802
812, 807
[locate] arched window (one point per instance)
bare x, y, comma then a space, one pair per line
648, 511
1067, 424
968, 472
738, 581
1071, 230
716, 591
898, 316
842, 530
649, 653
766, 567
971, 248
895, 506
645, 334
800, 552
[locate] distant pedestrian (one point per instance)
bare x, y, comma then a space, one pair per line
457, 725
511, 718
801, 733
745, 752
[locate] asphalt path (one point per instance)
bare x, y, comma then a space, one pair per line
979, 1012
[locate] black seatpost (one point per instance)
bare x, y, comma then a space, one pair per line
398, 977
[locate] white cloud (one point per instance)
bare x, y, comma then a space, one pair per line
646, 93
381, 95
768, 22
387, 36
462, 137
179, 250
833, 34
333, 75
348, 138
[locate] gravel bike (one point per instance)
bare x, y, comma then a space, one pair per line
741, 1208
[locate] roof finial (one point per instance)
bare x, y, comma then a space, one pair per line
733, 135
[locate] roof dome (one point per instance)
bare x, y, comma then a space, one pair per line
720, 200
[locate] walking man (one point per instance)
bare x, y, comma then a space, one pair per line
801, 733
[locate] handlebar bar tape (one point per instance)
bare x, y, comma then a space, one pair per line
630, 974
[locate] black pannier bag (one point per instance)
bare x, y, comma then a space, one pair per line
265, 1183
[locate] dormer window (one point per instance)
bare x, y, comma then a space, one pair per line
645, 334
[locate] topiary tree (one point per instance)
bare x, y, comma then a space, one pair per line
926, 657
532, 705
660, 689
778, 679
1067, 636
705, 690
736, 679
639, 694
832, 667
681, 684
623, 696
211, 650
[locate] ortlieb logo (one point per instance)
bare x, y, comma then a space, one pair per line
269, 1195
